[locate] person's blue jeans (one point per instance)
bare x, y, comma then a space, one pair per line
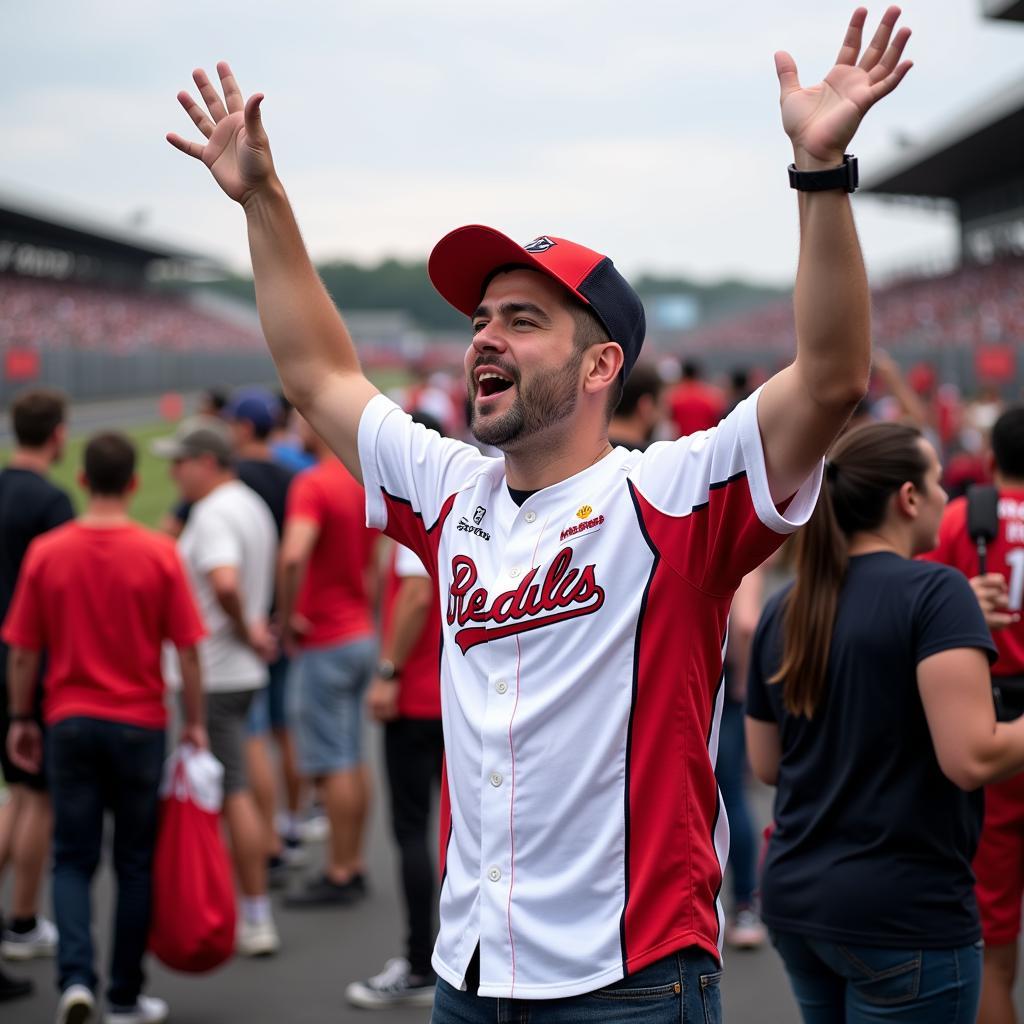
95, 765
683, 988
842, 984
731, 772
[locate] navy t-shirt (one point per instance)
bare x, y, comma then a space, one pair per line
872, 843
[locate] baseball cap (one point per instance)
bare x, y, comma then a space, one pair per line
196, 435
463, 261
256, 406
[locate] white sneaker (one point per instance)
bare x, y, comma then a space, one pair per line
147, 1010
41, 941
314, 829
746, 931
394, 986
77, 1006
257, 939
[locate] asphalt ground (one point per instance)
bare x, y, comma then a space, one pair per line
324, 949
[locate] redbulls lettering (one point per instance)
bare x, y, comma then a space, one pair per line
564, 593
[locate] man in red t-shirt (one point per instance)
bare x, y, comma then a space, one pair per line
695, 405
101, 595
326, 617
999, 862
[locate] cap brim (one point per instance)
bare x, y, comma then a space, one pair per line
463, 260
166, 448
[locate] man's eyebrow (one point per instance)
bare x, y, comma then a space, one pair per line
510, 309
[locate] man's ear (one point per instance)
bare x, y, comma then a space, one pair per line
606, 365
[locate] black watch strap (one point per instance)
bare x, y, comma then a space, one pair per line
845, 177
25, 716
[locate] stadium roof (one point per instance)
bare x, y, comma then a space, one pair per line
982, 144
1009, 10
61, 224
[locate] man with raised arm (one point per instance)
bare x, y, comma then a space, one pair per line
584, 590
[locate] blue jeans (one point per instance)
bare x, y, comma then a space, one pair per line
96, 765
731, 772
844, 984
679, 989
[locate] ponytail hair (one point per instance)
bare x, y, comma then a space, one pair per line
867, 466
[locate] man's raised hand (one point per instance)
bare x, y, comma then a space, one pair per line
237, 149
822, 119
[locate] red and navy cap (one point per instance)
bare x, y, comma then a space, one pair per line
462, 263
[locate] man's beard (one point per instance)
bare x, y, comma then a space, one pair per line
546, 401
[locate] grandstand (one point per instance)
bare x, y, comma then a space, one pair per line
969, 323
84, 306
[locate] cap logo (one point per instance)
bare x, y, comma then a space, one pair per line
541, 244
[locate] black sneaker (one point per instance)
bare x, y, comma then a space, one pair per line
394, 986
322, 892
14, 988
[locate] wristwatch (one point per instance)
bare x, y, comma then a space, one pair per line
845, 177
387, 671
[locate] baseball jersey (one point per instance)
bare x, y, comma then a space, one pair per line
582, 634
1005, 556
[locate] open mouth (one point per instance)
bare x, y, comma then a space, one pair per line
492, 382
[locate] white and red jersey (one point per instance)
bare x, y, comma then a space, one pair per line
582, 635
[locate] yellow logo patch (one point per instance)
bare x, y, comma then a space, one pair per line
584, 512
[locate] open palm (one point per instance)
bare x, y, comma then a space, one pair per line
237, 150
822, 119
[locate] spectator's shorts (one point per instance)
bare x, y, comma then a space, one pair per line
268, 706
227, 715
325, 704
999, 862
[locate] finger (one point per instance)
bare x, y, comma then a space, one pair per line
892, 57
887, 84
998, 621
880, 40
196, 112
851, 44
232, 94
186, 145
785, 68
253, 118
210, 95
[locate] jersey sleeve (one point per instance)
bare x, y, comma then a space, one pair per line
947, 616
411, 475
183, 624
25, 625
408, 563
760, 668
706, 506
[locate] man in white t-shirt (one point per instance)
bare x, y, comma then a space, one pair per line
584, 590
229, 548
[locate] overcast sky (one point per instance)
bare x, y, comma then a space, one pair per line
647, 130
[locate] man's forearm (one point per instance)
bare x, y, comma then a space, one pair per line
308, 339
191, 686
289, 581
831, 300
22, 673
230, 602
412, 606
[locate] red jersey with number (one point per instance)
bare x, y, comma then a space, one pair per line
101, 600
1005, 556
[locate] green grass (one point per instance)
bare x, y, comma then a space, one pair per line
156, 492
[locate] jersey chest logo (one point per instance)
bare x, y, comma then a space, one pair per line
565, 592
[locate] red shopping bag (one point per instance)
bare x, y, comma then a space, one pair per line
193, 923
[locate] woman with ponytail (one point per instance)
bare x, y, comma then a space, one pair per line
870, 709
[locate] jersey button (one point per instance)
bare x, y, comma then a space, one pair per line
501, 686
496, 779
494, 874
514, 571
530, 517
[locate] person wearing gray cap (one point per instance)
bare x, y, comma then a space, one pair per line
229, 547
